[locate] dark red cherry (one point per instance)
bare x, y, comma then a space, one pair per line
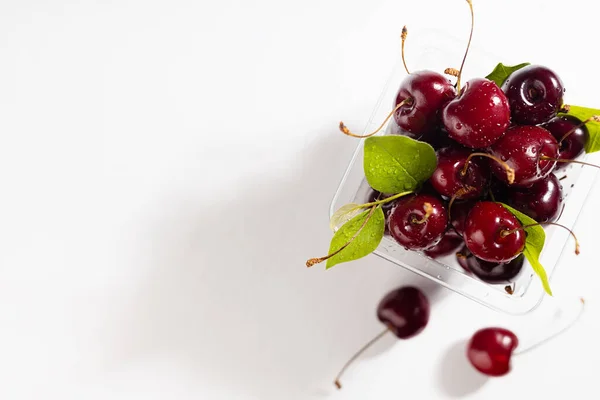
478, 116
535, 94
490, 350
523, 149
458, 215
490, 272
493, 233
438, 138
542, 201
405, 311
450, 178
449, 243
574, 144
418, 221
427, 92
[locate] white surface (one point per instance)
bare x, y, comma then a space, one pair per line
167, 168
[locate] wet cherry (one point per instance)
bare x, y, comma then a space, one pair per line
450, 178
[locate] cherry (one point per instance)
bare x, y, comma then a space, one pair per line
418, 221
542, 201
458, 215
404, 312
573, 145
535, 94
478, 116
449, 243
490, 272
492, 233
490, 350
524, 149
450, 177
423, 93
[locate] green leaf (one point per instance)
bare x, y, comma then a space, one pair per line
395, 164
534, 243
365, 242
344, 214
501, 72
583, 113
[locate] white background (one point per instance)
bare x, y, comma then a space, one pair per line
167, 168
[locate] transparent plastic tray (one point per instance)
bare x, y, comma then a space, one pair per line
528, 291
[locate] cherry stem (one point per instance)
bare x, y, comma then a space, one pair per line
468, 45
595, 118
346, 131
428, 211
566, 160
403, 36
505, 232
510, 173
459, 193
313, 261
555, 334
356, 355
386, 200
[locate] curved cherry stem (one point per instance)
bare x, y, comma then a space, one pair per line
313, 261
510, 172
566, 160
506, 232
468, 45
459, 193
595, 118
428, 208
555, 334
346, 131
356, 355
403, 37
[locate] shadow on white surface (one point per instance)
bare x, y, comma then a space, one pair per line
229, 298
456, 375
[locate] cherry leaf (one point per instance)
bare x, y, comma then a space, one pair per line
501, 72
593, 127
534, 243
396, 164
363, 241
344, 214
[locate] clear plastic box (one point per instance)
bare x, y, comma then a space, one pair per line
353, 188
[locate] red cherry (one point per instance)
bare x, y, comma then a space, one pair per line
493, 234
425, 92
450, 177
542, 201
405, 311
524, 149
478, 116
490, 350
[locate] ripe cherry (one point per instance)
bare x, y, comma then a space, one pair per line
458, 215
493, 234
449, 243
404, 312
542, 201
573, 144
524, 149
535, 94
423, 93
451, 178
478, 116
490, 272
490, 350
418, 221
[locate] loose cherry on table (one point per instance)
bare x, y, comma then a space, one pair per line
490, 272
542, 201
535, 94
478, 116
571, 134
457, 175
404, 312
530, 151
492, 233
490, 350
418, 222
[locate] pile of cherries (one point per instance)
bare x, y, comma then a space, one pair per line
492, 144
